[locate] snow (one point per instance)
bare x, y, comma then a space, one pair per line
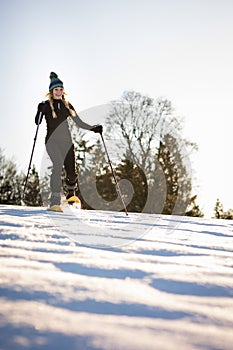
104, 280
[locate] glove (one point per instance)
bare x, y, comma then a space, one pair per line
97, 129
41, 109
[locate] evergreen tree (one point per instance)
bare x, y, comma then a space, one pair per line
220, 213
178, 182
218, 210
100, 174
138, 185
228, 215
169, 168
135, 194
95, 176
194, 209
82, 146
10, 182
45, 190
106, 186
32, 193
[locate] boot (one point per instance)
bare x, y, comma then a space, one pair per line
55, 199
70, 193
70, 189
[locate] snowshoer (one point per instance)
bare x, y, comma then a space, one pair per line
58, 139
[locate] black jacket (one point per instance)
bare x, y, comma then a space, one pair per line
62, 112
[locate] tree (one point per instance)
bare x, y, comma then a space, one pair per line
228, 215
82, 146
137, 120
10, 182
194, 209
98, 188
169, 167
218, 209
45, 191
134, 174
220, 213
178, 181
32, 193
150, 130
95, 188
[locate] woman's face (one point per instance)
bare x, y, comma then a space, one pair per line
57, 93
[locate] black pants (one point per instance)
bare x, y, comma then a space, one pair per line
61, 153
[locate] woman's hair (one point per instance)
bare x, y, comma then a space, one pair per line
49, 95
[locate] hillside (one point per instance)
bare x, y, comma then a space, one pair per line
101, 280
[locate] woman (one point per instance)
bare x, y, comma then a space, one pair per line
58, 139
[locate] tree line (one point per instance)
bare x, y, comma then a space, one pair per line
12, 183
151, 164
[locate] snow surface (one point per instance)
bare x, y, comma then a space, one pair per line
101, 280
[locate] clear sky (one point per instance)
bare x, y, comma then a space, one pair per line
179, 49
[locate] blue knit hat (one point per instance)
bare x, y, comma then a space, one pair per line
54, 81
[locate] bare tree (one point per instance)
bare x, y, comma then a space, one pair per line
141, 122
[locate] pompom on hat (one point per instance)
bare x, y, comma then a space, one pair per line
54, 81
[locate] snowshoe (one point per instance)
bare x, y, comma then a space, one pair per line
73, 199
56, 208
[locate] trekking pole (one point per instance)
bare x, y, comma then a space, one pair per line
30, 162
114, 177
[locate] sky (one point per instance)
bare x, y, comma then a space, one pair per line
178, 49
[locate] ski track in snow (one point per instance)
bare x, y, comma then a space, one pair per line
135, 283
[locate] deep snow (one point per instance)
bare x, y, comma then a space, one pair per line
101, 280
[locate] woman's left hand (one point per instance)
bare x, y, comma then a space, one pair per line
97, 129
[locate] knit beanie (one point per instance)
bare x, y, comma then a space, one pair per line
54, 81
